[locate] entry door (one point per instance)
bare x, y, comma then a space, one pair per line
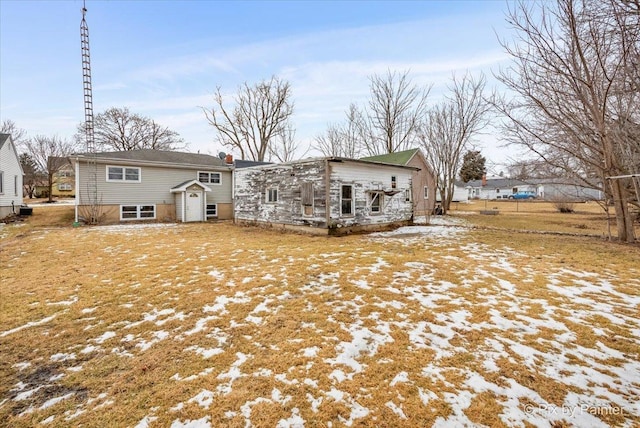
193, 206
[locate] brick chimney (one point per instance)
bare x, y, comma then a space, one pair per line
228, 159
484, 180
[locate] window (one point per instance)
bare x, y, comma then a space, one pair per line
121, 173
209, 177
271, 195
307, 198
497, 190
15, 185
375, 200
407, 195
1, 182
212, 210
64, 174
64, 186
346, 200
426, 192
394, 181
137, 212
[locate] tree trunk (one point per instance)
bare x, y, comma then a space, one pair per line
624, 220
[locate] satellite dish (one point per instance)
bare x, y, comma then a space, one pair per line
222, 155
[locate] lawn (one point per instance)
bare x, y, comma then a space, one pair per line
197, 325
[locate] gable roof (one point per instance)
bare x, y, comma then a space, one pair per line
241, 163
182, 187
397, 158
6, 139
150, 156
3, 138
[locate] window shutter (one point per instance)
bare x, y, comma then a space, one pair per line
307, 194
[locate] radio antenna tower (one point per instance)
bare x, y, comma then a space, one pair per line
88, 120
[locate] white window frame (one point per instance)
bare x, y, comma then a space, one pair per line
352, 200
271, 195
1, 182
214, 208
15, 185
407, 195
124, 174
426, 192
394, 181
372, 197
65, 173
138, 211
210, 174
64, 187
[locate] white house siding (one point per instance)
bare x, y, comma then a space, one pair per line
12, 176
365, 178
154, 188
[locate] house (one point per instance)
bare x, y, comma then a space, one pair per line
11, 176
498, 188
550, 189
460, 193
63, 184
329, 195
152, 185
423, 183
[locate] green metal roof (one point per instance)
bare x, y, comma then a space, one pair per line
398, 158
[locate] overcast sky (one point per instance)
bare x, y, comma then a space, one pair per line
164, 59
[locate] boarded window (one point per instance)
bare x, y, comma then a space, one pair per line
307, 194
306, 191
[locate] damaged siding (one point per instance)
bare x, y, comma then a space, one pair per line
302, 196
291, 181
367, 181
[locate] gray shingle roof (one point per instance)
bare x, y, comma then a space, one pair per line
170, 157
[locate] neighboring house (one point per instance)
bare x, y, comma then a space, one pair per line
423, 183
63, 183
325, 195
460, 193
549, 189
154, 185
11, 175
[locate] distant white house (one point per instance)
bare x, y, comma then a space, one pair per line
11, 175
542, 188
460, 193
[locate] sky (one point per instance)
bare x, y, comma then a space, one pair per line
165, 59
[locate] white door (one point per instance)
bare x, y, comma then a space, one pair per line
193, 206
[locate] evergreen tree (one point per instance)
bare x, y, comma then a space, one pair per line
473, 166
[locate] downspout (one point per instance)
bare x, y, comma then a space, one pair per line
76, 200
327, 192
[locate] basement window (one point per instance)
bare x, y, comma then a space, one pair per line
212, 210
137, 212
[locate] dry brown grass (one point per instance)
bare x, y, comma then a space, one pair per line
119, 321
588, 219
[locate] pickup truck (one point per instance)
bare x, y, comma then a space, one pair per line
522, 195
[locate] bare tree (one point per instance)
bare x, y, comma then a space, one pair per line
18, 135
261, 114
575, 76
286, 148
391, 123
450, 129
32, 176
50, 155
118, 129
345, 140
